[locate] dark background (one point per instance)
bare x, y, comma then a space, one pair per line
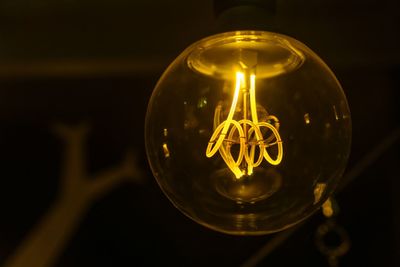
71, 61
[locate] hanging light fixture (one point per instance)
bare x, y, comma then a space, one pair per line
248, 132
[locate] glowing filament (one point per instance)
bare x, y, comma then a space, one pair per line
247, 133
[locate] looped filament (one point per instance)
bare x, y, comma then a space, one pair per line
247, 133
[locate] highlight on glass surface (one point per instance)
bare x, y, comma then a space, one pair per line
248, 132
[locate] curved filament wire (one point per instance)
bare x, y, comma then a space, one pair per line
210, 149
245, 133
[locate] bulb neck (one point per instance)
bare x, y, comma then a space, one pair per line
234, 15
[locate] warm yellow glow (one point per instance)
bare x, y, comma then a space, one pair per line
166, 150
327, 208
247, 133
307, 118
318, 191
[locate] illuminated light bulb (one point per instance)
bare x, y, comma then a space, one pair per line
248, 132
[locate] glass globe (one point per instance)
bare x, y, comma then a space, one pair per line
248, 132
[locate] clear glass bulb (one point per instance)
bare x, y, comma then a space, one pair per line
248, 132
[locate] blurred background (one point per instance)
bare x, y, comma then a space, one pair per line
75, 186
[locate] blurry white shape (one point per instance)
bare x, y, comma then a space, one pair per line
46, 241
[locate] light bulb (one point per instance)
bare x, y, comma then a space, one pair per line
248, 132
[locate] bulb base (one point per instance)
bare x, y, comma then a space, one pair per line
219, 57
